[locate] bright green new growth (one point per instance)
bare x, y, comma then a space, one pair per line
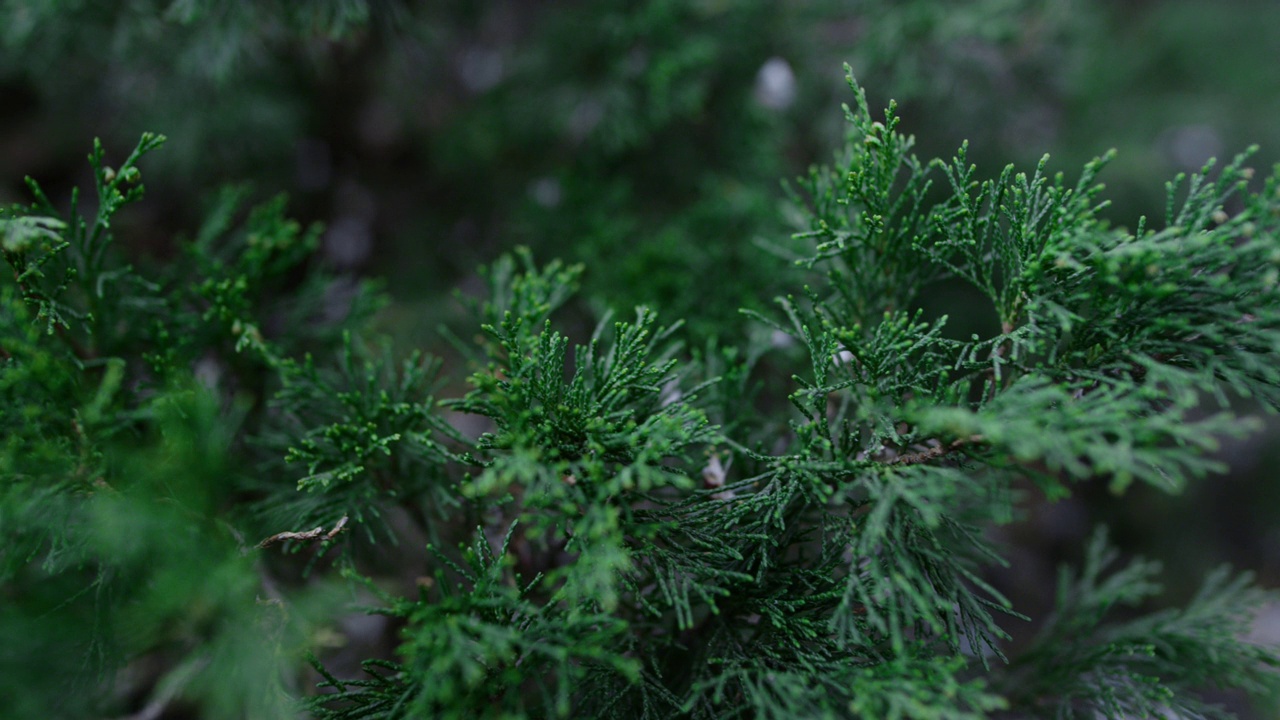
635, 534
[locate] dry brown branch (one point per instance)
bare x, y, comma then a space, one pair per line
934, 452
313, 534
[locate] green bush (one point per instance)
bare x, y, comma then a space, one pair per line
631, 136
206, 464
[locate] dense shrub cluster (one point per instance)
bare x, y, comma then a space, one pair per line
205, 464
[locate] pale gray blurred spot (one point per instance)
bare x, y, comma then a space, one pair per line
348, 243
585, 117
775, 84
208, 371
480, 69
636, 63
338, 297
1188, 147
545, 191
1265, 629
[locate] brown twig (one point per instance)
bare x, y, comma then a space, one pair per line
934, 452
315, 534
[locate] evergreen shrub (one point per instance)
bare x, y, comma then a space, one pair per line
204, 465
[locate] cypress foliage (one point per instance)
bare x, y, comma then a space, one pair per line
199, 459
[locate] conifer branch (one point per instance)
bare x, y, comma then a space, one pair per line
637, 533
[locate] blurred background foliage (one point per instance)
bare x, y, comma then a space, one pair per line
646, 139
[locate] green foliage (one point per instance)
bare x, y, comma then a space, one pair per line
1086, 662
118, 472
634, 137
366, 434
482, 639
147, 64
52, 258
627, 528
